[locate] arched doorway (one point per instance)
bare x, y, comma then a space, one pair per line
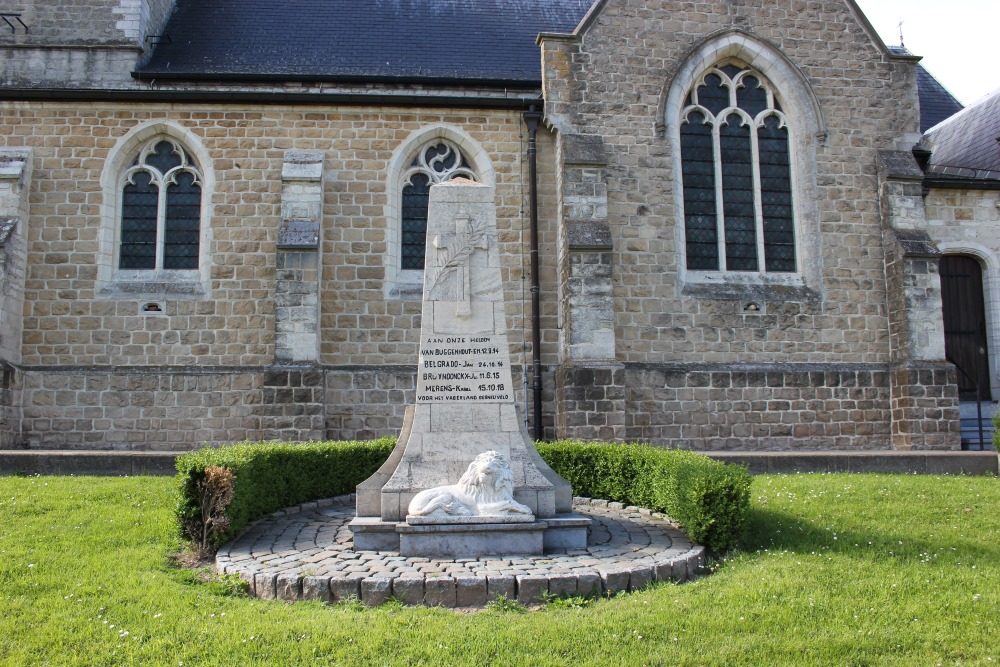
965, 324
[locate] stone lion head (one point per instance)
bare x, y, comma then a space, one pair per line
489, 478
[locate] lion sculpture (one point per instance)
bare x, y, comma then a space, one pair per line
486, 489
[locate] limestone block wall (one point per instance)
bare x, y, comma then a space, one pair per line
15, 183
967, 222
845, 99
78, 43
619, 71
169, 408
221, 345
69, 22
796, 407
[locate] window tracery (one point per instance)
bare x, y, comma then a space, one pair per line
736, 174
435, 162
160, 209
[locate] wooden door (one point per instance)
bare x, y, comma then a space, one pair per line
965, 323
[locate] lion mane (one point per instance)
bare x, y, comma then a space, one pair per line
486, 488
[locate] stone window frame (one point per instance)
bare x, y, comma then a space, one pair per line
407, 284
152, 283
806, 133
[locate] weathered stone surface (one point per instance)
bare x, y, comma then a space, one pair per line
345, 588
316, 588
264, 585
376, 591
614, 580
498, 585
440, 592
564, 585
531, 588
588, 584
640, 577
409, 590
288, 587
470, 591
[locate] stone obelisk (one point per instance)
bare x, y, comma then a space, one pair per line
464, 424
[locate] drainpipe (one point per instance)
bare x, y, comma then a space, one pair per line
531, 118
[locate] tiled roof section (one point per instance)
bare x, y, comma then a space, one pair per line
936, 103
967, 145
404, 40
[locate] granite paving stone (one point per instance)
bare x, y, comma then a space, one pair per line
309, 554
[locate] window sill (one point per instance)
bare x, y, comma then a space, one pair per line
747, 285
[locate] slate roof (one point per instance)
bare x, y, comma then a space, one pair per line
967, 145
936, 103
460, 41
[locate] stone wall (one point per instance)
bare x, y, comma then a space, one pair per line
967, 222
86, 22
15, 184
816, 333
79, 43
170, 408
78, 334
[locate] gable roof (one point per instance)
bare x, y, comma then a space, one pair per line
936, 103
419, 41
967, 145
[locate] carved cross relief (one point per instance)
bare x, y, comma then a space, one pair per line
454, 252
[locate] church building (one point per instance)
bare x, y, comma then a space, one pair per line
715, 230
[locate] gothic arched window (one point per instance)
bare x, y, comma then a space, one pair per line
160, 212
435, 162
736, 173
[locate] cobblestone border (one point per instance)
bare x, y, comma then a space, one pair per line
301, 553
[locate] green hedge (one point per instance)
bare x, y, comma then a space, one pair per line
273, 475
709, 499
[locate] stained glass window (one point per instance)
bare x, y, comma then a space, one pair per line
435, 162
160, 210
736, 173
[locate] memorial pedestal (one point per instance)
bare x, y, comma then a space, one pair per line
464, 471
471, 540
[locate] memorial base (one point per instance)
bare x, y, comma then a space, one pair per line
471, 540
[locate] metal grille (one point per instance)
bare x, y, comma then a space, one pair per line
414, 222
182, 226
139, 207
698, 170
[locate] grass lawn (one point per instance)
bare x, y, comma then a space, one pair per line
837, 570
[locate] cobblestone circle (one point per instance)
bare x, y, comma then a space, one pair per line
307, 552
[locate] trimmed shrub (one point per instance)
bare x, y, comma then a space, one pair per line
709, 499
268, 476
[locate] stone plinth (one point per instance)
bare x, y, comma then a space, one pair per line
464, 410
471, 540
